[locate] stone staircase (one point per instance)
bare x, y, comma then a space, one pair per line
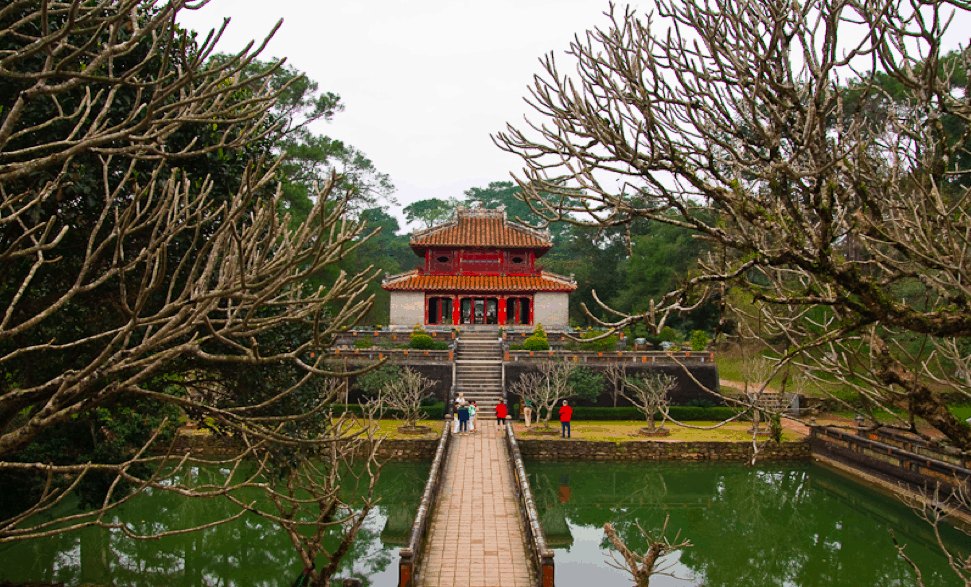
478, 369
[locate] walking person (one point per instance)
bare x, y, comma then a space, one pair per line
463, 419
527, 410
501, 413
473, 409
566, 414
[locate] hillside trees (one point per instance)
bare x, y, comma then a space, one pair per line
147, 273
833, 222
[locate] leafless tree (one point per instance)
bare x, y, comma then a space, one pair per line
616, 373
404, 394
177, 273
649, 393
545, 388
643, 566
839, 208
936, 511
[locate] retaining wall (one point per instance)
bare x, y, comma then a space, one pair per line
647, 450
420, 449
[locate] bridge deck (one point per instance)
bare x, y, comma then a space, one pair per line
476, 537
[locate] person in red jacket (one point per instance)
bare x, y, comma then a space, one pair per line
566, 414
501, 413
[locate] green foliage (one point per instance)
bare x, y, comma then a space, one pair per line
421, 341
365, 342
536, 343
608, 343
372, 382
667, 334
699, 340
538, 332
586, 384
680, 413
775, 428
430, 212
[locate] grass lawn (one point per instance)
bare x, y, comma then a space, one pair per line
613, 431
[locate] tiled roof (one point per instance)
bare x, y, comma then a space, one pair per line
413, 281
480, 228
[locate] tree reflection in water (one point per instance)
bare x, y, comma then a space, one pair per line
248, 551
793, 524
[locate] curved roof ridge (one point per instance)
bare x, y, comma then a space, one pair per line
481, 227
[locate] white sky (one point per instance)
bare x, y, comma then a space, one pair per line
424, 82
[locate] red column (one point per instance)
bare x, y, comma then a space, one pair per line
456, 312
502, 310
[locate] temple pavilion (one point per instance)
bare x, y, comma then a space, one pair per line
479, 270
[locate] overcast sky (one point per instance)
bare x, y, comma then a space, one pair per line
424, 82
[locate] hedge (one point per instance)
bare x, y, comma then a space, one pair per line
681, 413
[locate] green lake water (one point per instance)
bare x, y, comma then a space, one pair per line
249, 551
790, 524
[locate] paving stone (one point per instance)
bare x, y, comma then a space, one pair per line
475, 537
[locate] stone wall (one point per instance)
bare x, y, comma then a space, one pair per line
407, 308
647, 450
686, 389
551, 309
397, 449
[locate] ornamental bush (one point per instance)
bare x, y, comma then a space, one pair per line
604, 344
422, 342
535, 343
699, 340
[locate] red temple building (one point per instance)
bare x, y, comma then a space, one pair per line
479, 269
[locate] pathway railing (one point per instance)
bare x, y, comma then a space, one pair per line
920, 472
539, 552
410, 557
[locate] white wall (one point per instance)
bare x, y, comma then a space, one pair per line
551, 309
407, 308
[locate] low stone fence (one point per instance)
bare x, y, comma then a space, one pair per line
914, 471
613, 357
394, 355
410, 557
653, 450
919, 446
422, 449
541, 555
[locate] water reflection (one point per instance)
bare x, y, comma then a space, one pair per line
795, 525
248, 551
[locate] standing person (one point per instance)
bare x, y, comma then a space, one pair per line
463, 419
501, 413
527, 410
566, 414
473, 409
459, 402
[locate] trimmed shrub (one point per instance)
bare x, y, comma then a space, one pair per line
681, 413
667, 334
535, 343
539, 332
422, 342
363, 343
604, 344
699, 340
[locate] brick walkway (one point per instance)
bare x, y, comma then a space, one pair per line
476, 538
